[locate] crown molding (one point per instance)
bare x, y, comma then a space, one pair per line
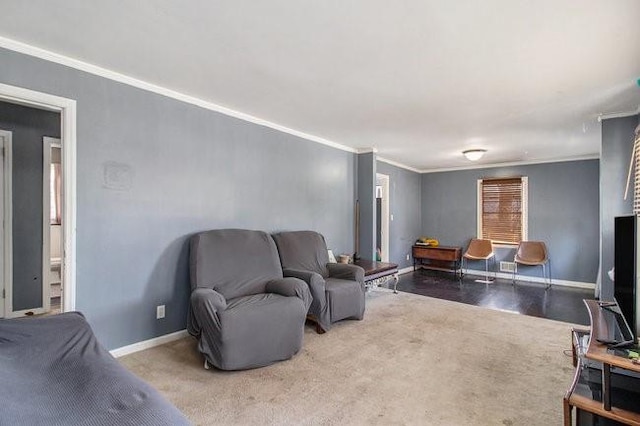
400, 165
513, 163
488, 165
57, 58
618, 114
366, 150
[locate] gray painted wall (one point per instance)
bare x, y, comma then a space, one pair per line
28, 127
617, 145
367, 203
151, 171
405, 206
563, 212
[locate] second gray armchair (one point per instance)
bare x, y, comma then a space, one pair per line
338, 289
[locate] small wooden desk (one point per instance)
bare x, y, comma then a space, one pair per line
440, 258
378, 273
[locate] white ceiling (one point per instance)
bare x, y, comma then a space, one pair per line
419, 80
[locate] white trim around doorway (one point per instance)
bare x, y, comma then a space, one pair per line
67, 109
46, 224
7, 237
385, 217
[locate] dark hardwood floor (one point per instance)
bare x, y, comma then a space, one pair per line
558, 303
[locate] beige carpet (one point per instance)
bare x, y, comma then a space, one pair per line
413, 360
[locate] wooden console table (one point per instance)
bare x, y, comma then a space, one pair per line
378, 273
441, 258
595, 389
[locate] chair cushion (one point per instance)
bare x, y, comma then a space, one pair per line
479, 249
531, 253
303, 250
259, 330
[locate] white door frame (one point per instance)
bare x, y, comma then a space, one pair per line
50, 144
47, 144
67, 109
384, 219
7, 237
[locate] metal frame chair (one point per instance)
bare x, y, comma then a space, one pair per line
479, 249
533, 253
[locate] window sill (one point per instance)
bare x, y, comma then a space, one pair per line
505, 245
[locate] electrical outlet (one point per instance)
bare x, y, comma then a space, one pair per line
407, 256
159, 311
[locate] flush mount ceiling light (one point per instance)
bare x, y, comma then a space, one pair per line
474, 154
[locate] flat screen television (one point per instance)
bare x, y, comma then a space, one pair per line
625, 273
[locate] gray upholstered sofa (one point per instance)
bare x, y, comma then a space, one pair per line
54, 371
242, 310
338, 290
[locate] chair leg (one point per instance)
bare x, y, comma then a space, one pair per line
486, 274
462, 267
316, 323
513, 279
495, 269
545, 276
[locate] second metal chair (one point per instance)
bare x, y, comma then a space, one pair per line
533, 253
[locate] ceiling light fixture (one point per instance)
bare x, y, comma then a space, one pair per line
474, 154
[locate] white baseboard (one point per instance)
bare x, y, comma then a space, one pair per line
527, 278
146, 344
405, 270
522, 278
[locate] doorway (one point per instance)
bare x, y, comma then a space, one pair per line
26, 226
382, 217
65, 111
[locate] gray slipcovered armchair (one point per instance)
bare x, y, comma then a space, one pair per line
242, 310
338, 289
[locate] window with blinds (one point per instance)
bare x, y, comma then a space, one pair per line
502, 210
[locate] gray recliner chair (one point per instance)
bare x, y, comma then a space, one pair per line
244, 313
338, 289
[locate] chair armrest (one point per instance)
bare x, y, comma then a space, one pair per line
311, 278
346, 271
314, 281
204, 307
291, 287
209, 297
